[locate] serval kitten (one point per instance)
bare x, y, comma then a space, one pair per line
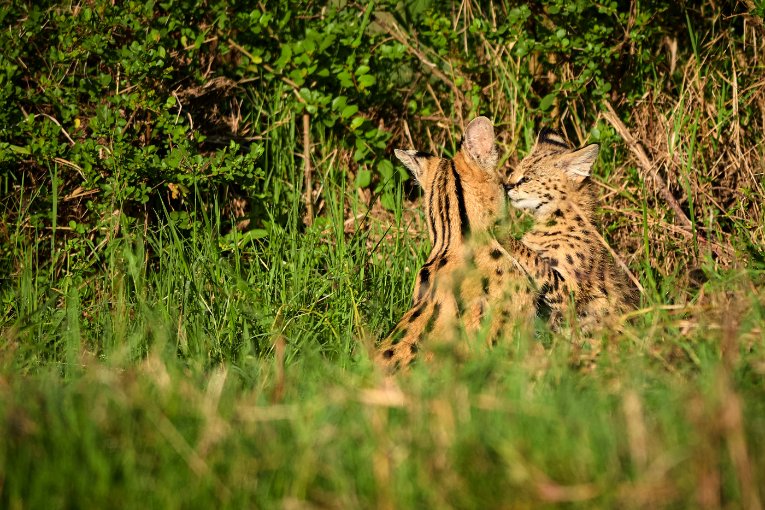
562, 251
467, 276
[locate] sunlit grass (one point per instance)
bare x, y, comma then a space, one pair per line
191, 363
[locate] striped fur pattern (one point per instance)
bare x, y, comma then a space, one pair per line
467, 275
562, 251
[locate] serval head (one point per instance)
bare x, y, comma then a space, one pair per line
551, 174
462, 194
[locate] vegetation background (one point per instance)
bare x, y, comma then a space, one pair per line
204, 230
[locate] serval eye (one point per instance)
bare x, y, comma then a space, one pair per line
512, 185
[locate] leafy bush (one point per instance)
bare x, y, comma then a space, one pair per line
118, 112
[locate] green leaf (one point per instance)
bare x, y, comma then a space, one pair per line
363, 179
345, 79
356, 122
19, 150
385, 168
349, 111
339, 102
388, 201
284, 58
297, 77
256, 233
547, 102
366, 81
360, 153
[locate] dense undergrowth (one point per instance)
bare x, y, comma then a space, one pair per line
184, 324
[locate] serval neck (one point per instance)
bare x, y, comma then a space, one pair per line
447, 231
578, 207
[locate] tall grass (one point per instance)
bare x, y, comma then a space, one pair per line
202, 370
197, 361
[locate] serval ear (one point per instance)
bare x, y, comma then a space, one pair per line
578, 164
479, 143
415, 161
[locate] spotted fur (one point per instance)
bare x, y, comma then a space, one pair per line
467, 276
562, 251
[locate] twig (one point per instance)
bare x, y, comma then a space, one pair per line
68, 163
645, 162
79, 192
408, 134
56, 122
307, 169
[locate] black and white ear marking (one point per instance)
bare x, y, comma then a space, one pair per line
479, 143
578, 164
414, 161
552, 137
